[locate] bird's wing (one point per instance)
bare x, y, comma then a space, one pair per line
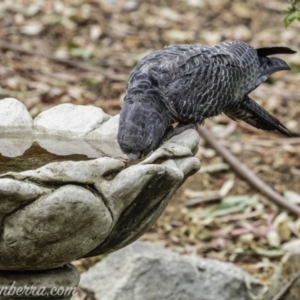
154, 70
168, 59
203, 85
250, 112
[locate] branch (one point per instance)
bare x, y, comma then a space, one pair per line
71, 63
286, 288
247, 174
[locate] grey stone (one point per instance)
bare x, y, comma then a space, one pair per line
12, 145
69, 120
107, 134
181, 145
68, 147
15, 193
68, 209
54, 230
48, 231
140, 206
146, 271
14, 116
83, 172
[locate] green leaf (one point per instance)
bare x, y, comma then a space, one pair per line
83, 53
229, 205
290, 18
271, 253
233, 200
294, 3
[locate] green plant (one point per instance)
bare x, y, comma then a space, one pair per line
293, 13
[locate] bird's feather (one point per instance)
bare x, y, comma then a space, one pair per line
269, 66
189, 83
266, 51
252, 113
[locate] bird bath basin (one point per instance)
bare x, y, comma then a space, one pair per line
34, 157
67, 192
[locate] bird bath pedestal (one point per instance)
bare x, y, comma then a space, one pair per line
67, 192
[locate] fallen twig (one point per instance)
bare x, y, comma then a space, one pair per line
286, 288
203, 200
247, 174
71, 63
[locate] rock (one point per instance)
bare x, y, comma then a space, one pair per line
107, 133
126, 196
176, 147
15, 193
146, 271
120, 202
69, 120
14, 116
83, 172
54, 230
53, 213
12, 146
68, 147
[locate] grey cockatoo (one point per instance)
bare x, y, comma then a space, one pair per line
189, 83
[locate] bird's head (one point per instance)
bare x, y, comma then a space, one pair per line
142, 126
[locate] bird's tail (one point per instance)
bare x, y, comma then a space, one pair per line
250, 112
274, 50
270, 65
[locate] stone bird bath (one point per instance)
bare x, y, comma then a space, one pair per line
67, 192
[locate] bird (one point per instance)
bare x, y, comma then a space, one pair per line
188, 83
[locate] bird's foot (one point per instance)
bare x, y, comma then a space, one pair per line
181, 127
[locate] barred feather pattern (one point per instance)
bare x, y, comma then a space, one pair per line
198, 81
252, 113
189, 83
